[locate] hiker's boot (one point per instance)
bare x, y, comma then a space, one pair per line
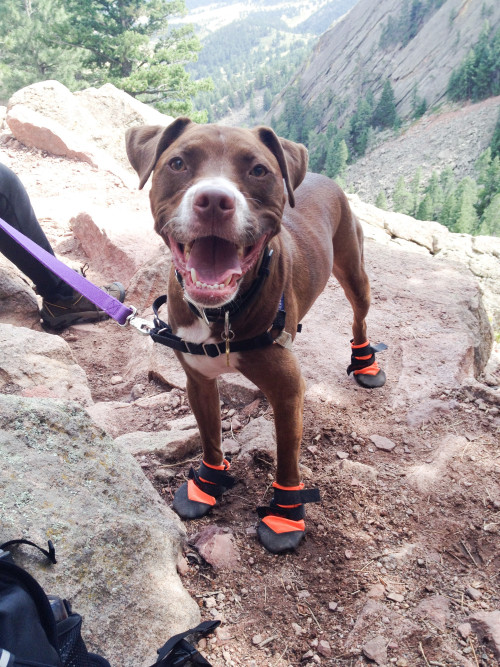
62, 312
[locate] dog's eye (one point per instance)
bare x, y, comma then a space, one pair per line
177, 164
259, 171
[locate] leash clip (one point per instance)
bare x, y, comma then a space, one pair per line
142, 325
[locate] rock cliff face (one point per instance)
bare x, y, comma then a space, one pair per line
348, 61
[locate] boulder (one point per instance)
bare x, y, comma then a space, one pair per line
116, 541
257, 437
119, 241
480, 254
172, 445
115, 111
37, 130
88, 125
486, 624
35, 363
18, 304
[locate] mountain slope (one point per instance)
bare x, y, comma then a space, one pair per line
454, 138
349, 61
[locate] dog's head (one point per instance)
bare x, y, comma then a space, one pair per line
217, 198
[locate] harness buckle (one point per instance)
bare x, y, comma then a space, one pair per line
284, 339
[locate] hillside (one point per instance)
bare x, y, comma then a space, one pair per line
349, 60
251, 50
453, 138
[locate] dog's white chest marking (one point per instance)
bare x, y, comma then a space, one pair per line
210, 367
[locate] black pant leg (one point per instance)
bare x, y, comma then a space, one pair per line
16, 209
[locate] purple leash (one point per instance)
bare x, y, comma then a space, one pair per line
115, 309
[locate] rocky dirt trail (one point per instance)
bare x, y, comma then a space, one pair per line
401, 562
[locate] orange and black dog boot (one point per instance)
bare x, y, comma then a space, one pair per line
200, 493
367, 372
282, 526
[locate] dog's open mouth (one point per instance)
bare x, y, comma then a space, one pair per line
212, 267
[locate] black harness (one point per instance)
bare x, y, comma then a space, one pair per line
162, 332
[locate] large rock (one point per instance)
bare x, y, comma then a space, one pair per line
88, 125
115, 111
487, 626
422, 308
118, 241
116, 541
18, 304
480, 254
35, 363
36, 130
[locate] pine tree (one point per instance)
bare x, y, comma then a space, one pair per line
118, 39
490, 222
495, 140
385, 112
30, 49
466, 219
401, 197
359, 127
415, 192
426, 209
436, 194
381, 201
489, 178
336, 157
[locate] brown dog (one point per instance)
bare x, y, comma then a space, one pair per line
247, 266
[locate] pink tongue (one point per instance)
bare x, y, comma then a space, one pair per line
214, 259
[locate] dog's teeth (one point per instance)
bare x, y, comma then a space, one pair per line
221, 286
227, 281
198, 283
194, 277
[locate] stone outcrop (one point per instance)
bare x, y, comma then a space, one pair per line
39, 364
87, 126
64, 479
480, 254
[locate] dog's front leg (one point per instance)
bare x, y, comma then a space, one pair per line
203, 396
199, 494
276, 372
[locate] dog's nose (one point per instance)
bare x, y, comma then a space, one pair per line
214, 203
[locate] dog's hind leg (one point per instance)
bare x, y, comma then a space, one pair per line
348, 268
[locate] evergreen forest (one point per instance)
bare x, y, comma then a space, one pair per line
470, 205
83, 43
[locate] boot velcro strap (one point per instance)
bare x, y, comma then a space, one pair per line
293, 513
368, 351
213, 482
215, 476
285, 497
214, 490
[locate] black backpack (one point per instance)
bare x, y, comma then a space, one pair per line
37, 630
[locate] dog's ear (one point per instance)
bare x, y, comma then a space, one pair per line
292, 159
146, 143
